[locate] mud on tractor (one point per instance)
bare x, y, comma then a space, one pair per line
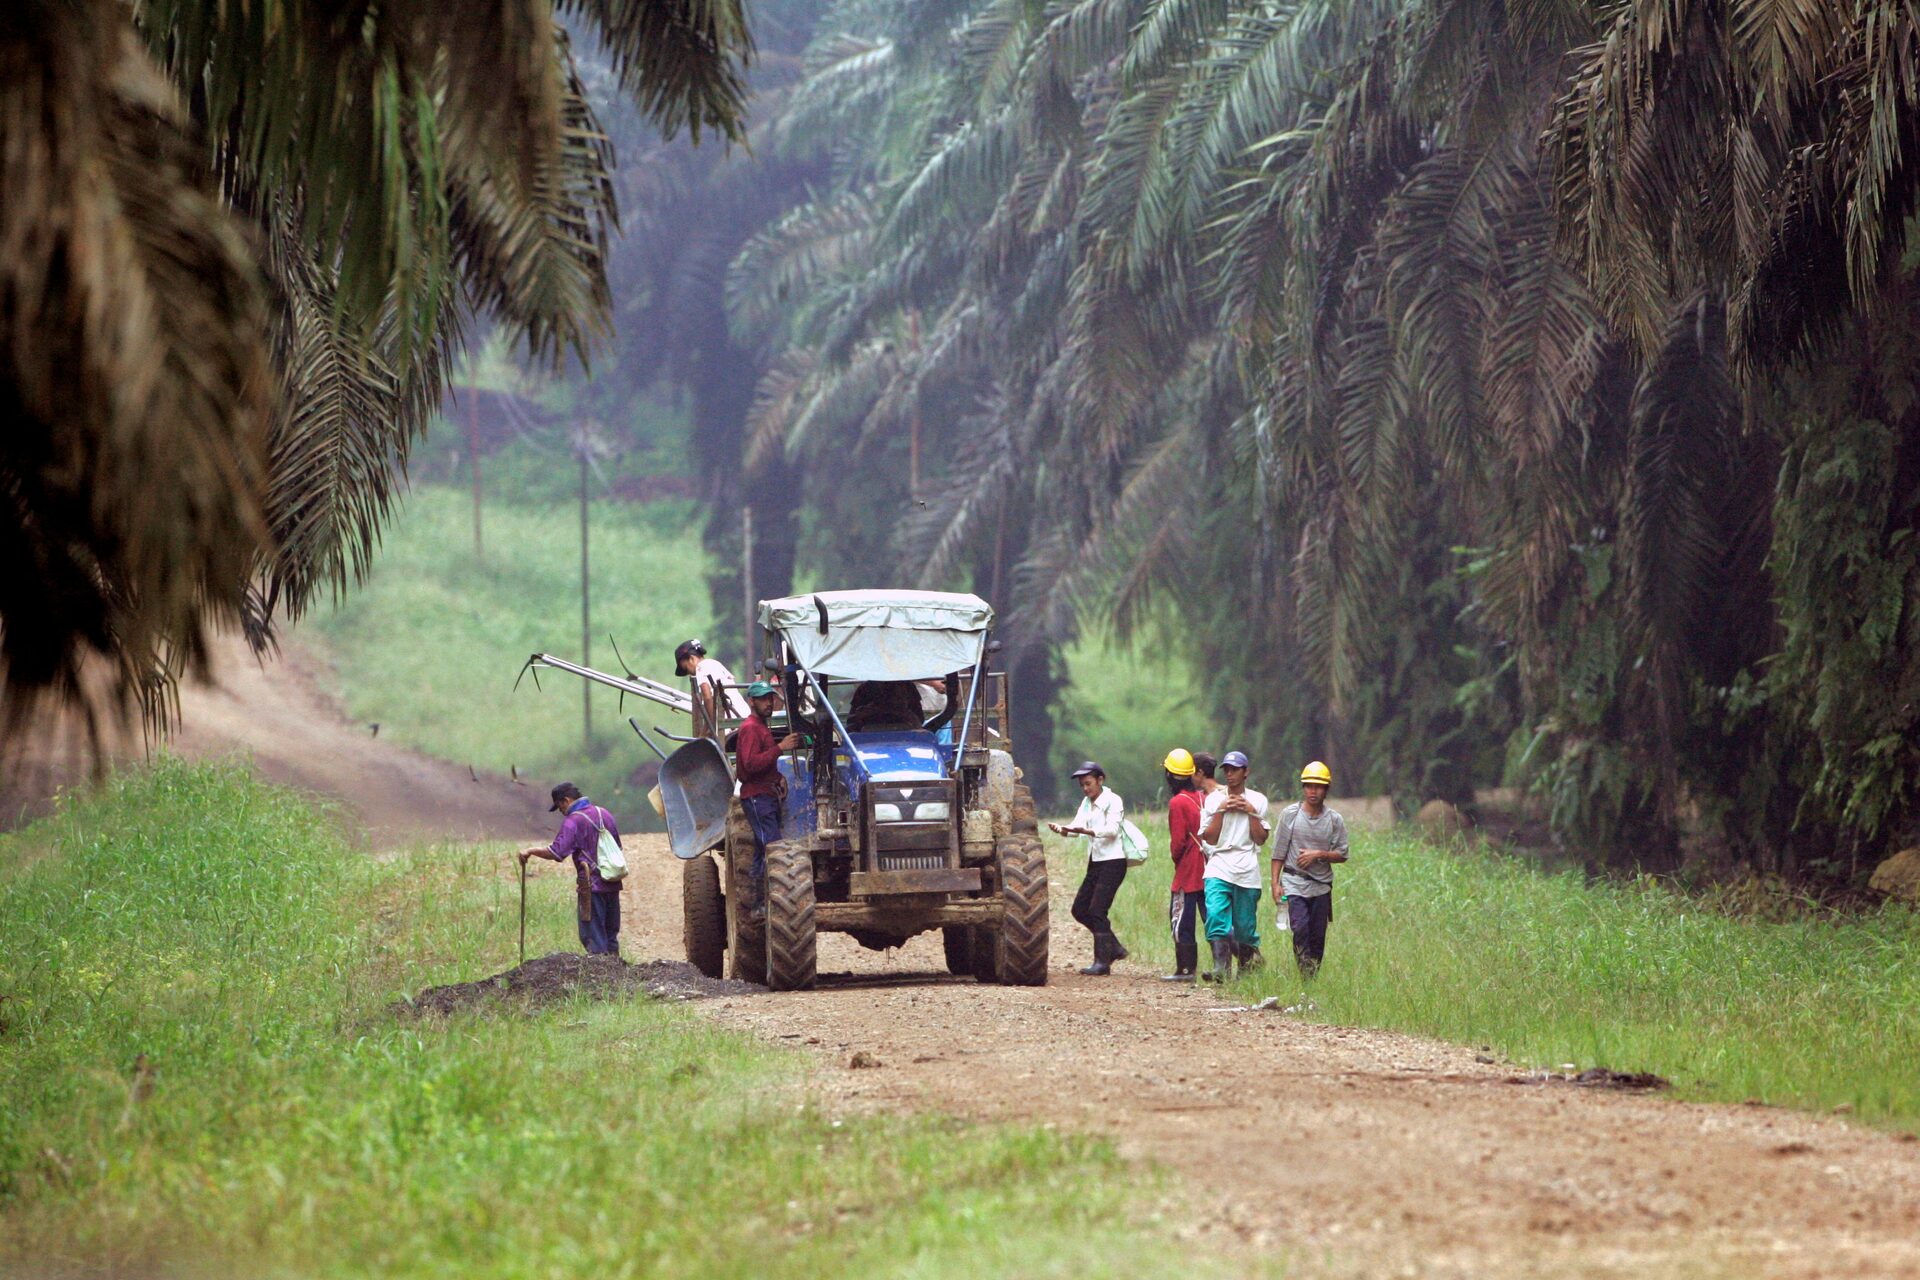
898, 819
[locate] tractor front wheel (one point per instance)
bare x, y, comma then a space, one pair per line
1021, 958
789, 925
703, 912
957, 941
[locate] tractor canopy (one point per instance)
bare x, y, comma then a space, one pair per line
881, 635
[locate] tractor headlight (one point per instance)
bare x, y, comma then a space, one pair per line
886, 813
932, 811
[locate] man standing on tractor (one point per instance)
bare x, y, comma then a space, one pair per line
690, 659
1234, 826
1313, 838
1188, 900
579, 839
756, 765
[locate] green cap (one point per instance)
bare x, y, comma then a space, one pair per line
760, 689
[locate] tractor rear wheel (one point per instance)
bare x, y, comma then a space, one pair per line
986, 954
1021, 958
1026, 818
789, 926
703, 912
957, 941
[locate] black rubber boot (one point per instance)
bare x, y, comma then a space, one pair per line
1186, 956
1102, 957
1116, 949
1222, 961
1250, 959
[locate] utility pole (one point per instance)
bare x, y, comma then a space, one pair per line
473, 462
586, 608
746, 590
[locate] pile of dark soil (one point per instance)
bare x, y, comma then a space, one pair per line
1595, 1078
563, 974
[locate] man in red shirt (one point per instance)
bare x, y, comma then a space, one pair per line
756, 764
1188, 902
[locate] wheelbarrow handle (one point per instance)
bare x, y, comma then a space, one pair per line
674, 736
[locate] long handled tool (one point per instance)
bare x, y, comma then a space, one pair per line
523, 912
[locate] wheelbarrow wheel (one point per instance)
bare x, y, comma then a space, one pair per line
704, 915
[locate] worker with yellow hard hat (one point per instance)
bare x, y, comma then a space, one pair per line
1309, 839
1187, 903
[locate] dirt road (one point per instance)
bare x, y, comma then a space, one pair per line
280, 716
1361, 1153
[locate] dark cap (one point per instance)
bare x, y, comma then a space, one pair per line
563, 795
1087, 767
1234, 760
686, 649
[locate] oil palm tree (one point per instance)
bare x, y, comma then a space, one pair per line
238, 245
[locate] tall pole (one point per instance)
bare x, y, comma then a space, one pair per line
586, 609
473, 462
746, 592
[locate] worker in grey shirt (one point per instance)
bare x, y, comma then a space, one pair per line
1310, 839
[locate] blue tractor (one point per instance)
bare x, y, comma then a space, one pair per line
903, 811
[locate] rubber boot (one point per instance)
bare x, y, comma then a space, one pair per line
1186, 957
1102, 957
1116, 950
1250, 959
1222, 961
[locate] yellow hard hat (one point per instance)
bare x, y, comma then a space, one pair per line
1179, 762
1317, 772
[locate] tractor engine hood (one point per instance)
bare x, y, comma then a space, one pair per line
908, 755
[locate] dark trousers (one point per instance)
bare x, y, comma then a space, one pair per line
1309, 918
763, 815
600, 923
1184, 911
1095, 899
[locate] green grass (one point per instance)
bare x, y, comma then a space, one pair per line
430, 646
1547, 969
222, 934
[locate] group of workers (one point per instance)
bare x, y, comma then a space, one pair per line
1216, 827
1216, 824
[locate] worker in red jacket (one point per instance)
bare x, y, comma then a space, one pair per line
756, 765
1188, 903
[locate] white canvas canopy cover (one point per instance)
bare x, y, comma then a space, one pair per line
881, 635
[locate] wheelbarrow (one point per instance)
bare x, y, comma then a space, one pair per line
696, 789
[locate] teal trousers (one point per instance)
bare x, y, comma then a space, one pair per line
1233, 912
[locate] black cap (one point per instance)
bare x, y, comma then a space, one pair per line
563, 795
1087, 767
686, 649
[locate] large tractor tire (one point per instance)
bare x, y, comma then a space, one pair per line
1021, 956
986, 954
790, 934
957, 941
703, 910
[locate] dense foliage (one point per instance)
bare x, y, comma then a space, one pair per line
1447, 380
238, 245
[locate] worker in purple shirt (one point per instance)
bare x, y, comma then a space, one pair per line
579, 839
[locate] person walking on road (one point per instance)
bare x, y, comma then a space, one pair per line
1234, 827
1101, 813
1313, 838
756, 763
1187, 903
579, 839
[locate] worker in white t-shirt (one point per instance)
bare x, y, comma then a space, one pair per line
1100, 817
1233, 826
690, 659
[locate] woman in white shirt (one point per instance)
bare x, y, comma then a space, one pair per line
1101, 813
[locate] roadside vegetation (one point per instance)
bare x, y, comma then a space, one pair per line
199, 1062
1480, 948
429, 647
